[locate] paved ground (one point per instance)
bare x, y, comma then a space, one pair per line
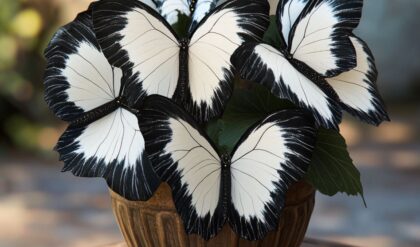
41, 207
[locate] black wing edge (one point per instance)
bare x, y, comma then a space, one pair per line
256, 21
247, 64
256, 17
134, 184
279, 23
154, 116
301, 138
380, 114
64, 43
194, 22
132, 89
202, 112
351, 11
109, 19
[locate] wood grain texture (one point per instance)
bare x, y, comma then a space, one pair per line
155, 223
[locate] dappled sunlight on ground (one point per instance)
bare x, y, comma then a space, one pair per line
389, 160
374, 241
39, 206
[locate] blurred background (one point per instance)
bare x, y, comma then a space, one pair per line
39, 206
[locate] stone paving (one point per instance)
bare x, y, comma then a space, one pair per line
41, 207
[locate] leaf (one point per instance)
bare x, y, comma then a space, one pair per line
182, 25
233, 130
214, 129
255, 99
246, 107
332, 170
272, 36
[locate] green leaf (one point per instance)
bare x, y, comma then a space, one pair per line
272, 36
255, 99
181, 27
214, 130
8, 9
246, 107
332, 170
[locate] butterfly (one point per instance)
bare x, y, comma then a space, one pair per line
195, 71
321, 65
247, 187
103, 138
195, 9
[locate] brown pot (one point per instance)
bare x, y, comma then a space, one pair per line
155, 223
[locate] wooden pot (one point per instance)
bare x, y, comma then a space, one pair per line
155, 223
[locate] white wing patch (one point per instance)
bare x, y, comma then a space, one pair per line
307, 92
357, 88
203, 7
266, 162
170, 9
312, 42
353, 87
289, 14
198, 163
150, 3
93, 81
209, 56
254, 168
114, 137
153, 50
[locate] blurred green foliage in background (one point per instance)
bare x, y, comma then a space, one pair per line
25, 122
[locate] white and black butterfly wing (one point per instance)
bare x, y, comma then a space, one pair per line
264, 64
320, 35
136, 38
268, 159
113, 148
170, 9
202, 8
151, 3
184, 157
288, 11
79, 81
357, 88
211, 46
78, 77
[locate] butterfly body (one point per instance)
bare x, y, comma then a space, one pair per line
102, 111
245, 188
95, 114
183, 80
226, 182
192, 5
103, 138
320, 66
195, 71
